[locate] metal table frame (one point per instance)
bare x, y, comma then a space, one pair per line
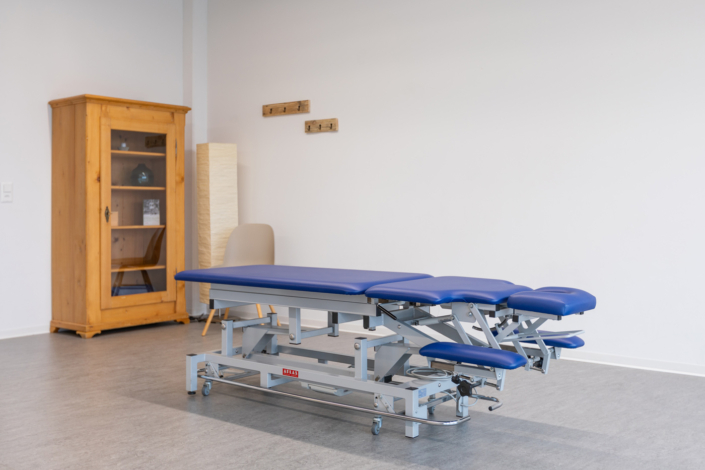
384, 377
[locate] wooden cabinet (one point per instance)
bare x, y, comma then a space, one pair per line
117, 213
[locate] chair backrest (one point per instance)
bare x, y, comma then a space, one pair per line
154, 249
250, 244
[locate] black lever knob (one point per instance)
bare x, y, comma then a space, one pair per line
464, 388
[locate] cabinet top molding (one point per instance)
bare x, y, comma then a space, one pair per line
119, 102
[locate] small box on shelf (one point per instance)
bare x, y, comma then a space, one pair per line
152, 141
150, 212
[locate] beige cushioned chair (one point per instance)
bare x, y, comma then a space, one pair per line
248, 244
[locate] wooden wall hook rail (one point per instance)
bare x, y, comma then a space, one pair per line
321, 125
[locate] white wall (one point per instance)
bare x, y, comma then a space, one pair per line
49, 50
196, 97
543, 142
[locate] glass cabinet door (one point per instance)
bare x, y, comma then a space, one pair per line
137, 191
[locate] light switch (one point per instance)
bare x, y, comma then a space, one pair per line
6, 194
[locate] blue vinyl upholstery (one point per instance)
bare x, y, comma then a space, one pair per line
473, 355
559, 301
324, 280
441, 290
573, 342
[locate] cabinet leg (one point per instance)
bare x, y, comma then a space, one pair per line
53, 329
208, 323
87, 334
185, 321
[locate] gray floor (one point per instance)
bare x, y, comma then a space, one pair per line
118, 401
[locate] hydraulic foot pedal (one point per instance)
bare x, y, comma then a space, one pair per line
338, 392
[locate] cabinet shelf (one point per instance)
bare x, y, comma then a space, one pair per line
138, 188
136, 267
133, 227
130, 153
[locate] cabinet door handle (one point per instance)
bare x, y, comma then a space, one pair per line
107, 214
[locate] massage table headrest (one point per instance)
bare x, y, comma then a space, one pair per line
559, 301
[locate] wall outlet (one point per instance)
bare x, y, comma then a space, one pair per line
6, 192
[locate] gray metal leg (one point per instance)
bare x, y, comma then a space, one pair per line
390, 360
411, 408
294, 325
335, 326
226, 339
407, 365
265, 380
268, 380
255, 339
461, 407
272, 346
361, 359
192, 361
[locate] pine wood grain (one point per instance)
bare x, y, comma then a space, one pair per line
321, 125
291, 107
82, 241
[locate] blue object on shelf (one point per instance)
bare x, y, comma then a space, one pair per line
142, 176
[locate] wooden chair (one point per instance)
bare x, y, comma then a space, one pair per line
248, 244
150, 259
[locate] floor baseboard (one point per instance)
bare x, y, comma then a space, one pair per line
634, 362
27, 331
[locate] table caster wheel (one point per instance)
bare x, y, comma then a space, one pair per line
431, 410
206, 390
376, 425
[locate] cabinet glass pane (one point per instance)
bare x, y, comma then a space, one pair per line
138, 212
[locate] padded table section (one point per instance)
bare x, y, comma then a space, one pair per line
470, 354
574, 342
559, 301
323, 280
441, 290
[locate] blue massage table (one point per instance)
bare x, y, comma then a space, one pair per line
503, 334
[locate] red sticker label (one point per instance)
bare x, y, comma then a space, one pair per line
291, 373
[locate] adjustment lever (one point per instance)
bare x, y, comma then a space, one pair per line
386, 312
